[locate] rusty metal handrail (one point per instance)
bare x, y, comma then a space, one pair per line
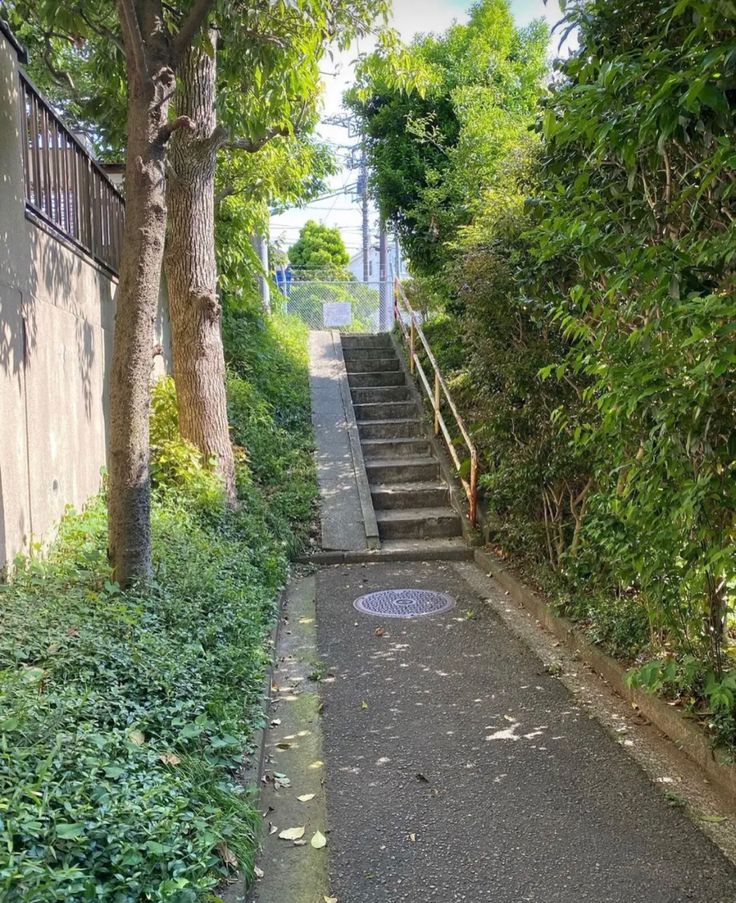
435, 393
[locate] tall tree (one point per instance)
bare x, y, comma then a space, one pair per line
153, 50
320, 252
191, 270
259, 47
439, 141
151, 37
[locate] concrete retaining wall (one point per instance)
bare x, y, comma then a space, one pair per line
56, 318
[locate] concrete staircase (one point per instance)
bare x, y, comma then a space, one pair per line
410, 498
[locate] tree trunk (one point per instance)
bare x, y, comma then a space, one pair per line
129, 541
191, 272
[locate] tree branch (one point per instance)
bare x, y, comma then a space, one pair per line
132, 29
181, 122
252, 145
102, 31
225, 193
190, 26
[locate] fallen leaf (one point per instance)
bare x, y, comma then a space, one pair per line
330, 899
227, 855
715, 819
283, 746
380, 631
318, 764
272, 829
292, 833
306, 797
364, 704
319, 840
169, 758
413, 838
137, 737
259, 873
300, 843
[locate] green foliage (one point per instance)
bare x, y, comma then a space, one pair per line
588, 320
437, 145
635, 226
269, 411
175, 462
125, 716
319, 252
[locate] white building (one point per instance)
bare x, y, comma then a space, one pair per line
395, 260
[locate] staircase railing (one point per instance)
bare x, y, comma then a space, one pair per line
435, 392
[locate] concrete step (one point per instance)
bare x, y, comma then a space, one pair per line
395, 448
379, 394
418, 523
455, 549
366, 340
369, 380
362, 354
402, 470
391, 429
386, 410
410, 495
371, 364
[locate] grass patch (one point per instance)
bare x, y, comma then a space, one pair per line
124, 716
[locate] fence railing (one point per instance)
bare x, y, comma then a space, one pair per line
64, 187
345, 306
406, 319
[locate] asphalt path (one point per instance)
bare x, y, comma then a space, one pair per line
458, 769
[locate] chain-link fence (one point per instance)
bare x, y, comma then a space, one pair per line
346, 306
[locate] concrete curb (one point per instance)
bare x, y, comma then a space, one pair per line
686, 736
370, 525
251, 773
458, 553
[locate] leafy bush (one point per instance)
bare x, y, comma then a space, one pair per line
590, 297
270, 414
125, 715
176, 462
636, 205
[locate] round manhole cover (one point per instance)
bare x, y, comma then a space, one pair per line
404, 603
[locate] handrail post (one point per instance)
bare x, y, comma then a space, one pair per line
436, 402
403, 308
412, 344
473, 487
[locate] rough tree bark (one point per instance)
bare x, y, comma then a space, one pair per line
151, 56
191, 272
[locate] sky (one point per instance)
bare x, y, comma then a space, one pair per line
409, 17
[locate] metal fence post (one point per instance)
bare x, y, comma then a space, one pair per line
437, 403
412, 343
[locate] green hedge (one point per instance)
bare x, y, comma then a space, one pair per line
125, 716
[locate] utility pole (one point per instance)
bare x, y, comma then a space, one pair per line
384, 293
358, 160
364, 200
260, 246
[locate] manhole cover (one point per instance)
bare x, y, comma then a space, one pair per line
404, 603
